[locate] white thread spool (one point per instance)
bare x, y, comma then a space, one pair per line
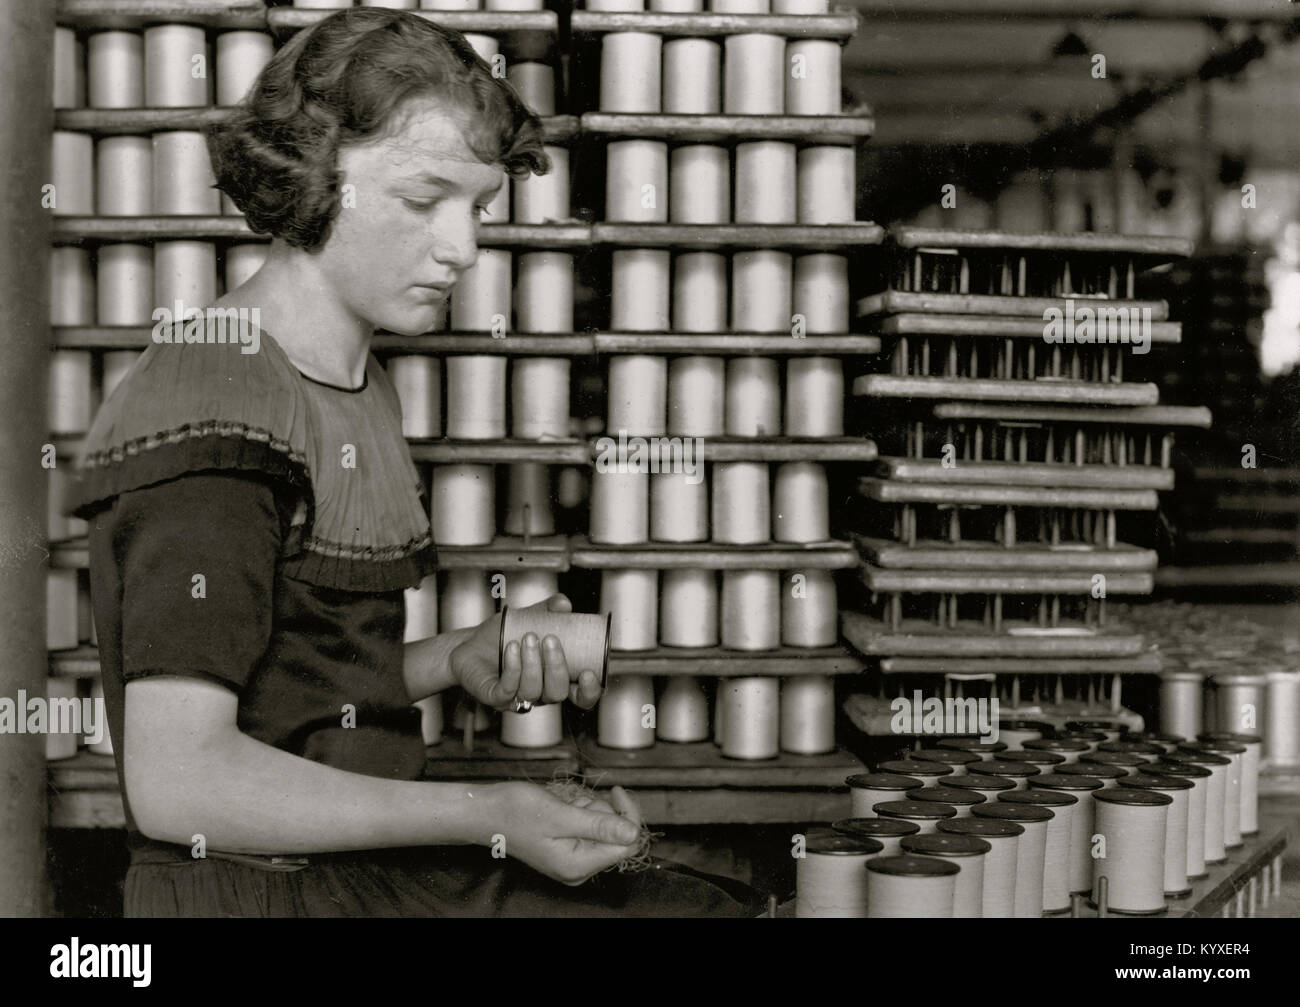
476, 397
831, 877
1016, 732
421, 623
1060, 830
60, 691
1250, 760
542, 198
513, 5
741, 504
692, 77
323, 4
528, 500
1282, 719
739, 6
69, 75
1134, 823
638, 395
751, 717
821, 292
800, 6
675, 6
1070, 749
631, 597
480, 301
71, 403
946, 756
115, 70
801, 503
812, 77
1232, 800
751, 608
753, 399
700, 293
391, 4
683, 712
639, 294
544, 298
463, 509
1078, 861
1239, 701
636, 181
866, 790
679, 507
105, 745
1180, 702
542, 726
61, 609
241, 55
889, 832
535, 84
630, 72
989, 787
184, 271
931, 774
243, 261
826, 185
539, 397
1179, 791
175, 66
1001, 863
72, 286
810, 610
1215, 797
182, 175
614, 5
761, 291
1197, 797
1031, 852
418, 381
808, 714
968, 853
488, 47
688, 609
959, 800
1126, 761
624, 711
620, 505
907, 887
124, 176
425, 4
765, 182
466, 600
701, 184
754, 75
117, 364
926, 814
72, 158
696, 396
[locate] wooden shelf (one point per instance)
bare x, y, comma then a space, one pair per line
736, 344
892, 386
840, 26
928, 555
1001, 582
897, 302
916, 638
818, 237
890, 491
1153, 246
837, 130
1139, 664
507, 553
101, 14
504, 452
517, 345
1060, 476
487, 22
81, 662
823, 449
1143, 416
1004, 327
715, 662
589, 555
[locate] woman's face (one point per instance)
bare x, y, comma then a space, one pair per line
409, 226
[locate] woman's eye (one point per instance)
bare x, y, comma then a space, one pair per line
420, 205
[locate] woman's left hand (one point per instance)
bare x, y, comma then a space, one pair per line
533, 671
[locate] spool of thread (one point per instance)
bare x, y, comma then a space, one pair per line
61, 609
986, 750
631, 597
889, 832
636, 181
761, 291
750, 609
738, 6
418, 381
480, 301
679, 507
683, 711
931, 774
476, 397
539, 396
1236, 754
812, 80
696, 396
1031, 854
421, 610
431, 720
243, 261
241, 55
624, 710
953, 797
968, 853
535, 84
1148, 751
638, 395
821, 292
463, 510
639, 294
808, 714
182, 175
1180, 702
911, 887
1239, 701
700, 294
426, 4
71, 400
826, 187
1198, 796
115, 69
688, 609
810, 610
988, 786
615, 5
1250, 762
1122, 760
528, 500
185, 271
69, 76
1014, 733
701, 183
866, 790
801, 503
540, 199
755, 77
692, 81
1134, 824
1078, 862
584, 637
1215, 797
741, 503
117, 364
513, 5
946, 756
630, 72
174, 55
1282, 720
1060, 830
1180, 792
831, 877
72, 156
753, 399
1000, 863
72, 286
675, 6
1070, 749
390, 4
466, 600
105, 745
1019, 773
60, 692
1108, 775
751, 717
1113, 730
765, 182
620, 504
814, 398
528, 587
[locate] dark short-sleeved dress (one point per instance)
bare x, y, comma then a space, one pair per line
255, 528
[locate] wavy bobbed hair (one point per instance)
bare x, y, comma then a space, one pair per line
339, 82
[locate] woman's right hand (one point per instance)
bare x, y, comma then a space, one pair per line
567, 842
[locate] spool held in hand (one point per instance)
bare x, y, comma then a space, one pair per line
584, 637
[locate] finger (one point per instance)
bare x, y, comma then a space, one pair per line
625, 805
559, 603
531, 678
585, 692
602, 827
501, 691
555, 686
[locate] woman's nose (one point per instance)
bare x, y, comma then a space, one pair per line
457, 243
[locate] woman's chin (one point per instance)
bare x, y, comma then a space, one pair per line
415, 323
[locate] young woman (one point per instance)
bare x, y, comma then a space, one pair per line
255, 517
